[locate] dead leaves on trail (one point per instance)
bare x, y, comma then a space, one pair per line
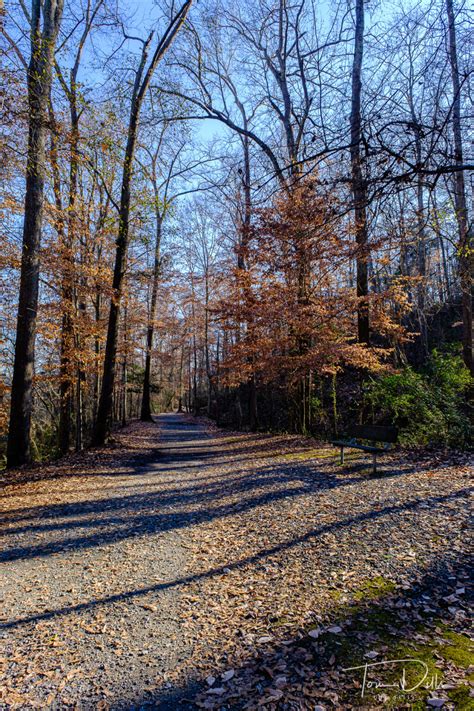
280, 569
323, 544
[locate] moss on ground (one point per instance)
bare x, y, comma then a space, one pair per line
461, 698
380, 622
459, 649
309, 454
322, 453
374, 588
372, 628
281, 621
414, 673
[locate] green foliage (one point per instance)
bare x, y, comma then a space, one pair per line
461, 697
44, 442
427, 406
135, 374
459, 649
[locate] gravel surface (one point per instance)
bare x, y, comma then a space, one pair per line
185, 565
87, 614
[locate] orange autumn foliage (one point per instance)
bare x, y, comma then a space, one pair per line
293, 307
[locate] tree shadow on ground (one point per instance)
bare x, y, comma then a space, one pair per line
88, 523
301, 668
119, 518
135, 458
309, 476
199, 516
96, 522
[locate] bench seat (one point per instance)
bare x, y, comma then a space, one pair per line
387, 435
356, 445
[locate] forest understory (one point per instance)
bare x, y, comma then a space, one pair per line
186, 566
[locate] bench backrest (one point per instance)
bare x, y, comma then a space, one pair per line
375, 433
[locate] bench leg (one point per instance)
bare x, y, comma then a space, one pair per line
342, 455
374, 464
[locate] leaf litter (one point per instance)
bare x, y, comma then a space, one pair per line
230, 571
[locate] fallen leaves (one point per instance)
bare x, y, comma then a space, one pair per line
150, 608
227, 676
266, 557
299, 586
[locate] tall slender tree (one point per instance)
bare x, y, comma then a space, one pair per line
359, 187
465, 258
45, 22
140, 88
72, 93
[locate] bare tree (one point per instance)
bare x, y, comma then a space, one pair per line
163, 198
140, 88
359, 187
269, 43
465, 255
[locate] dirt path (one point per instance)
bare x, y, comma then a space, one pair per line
209, 568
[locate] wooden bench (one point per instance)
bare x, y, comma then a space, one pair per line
358, 434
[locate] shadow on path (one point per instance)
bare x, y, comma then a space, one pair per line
173, 506
319, 667
261, 555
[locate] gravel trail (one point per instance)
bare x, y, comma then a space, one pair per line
184, 567
88, 617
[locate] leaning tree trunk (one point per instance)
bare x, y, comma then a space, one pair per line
465, 259
102, 423
145, 414
43, 42
104, 411
359, 187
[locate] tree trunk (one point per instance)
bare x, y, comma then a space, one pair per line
102, 424
67, 289
146, 398
97, 349
242, 264
104, 411
43, 43
421, 242
206, 343
80, 372
180, 392
444, 261
465, 259
124, 388
79, 411
359, 187
140, 88
65, 402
